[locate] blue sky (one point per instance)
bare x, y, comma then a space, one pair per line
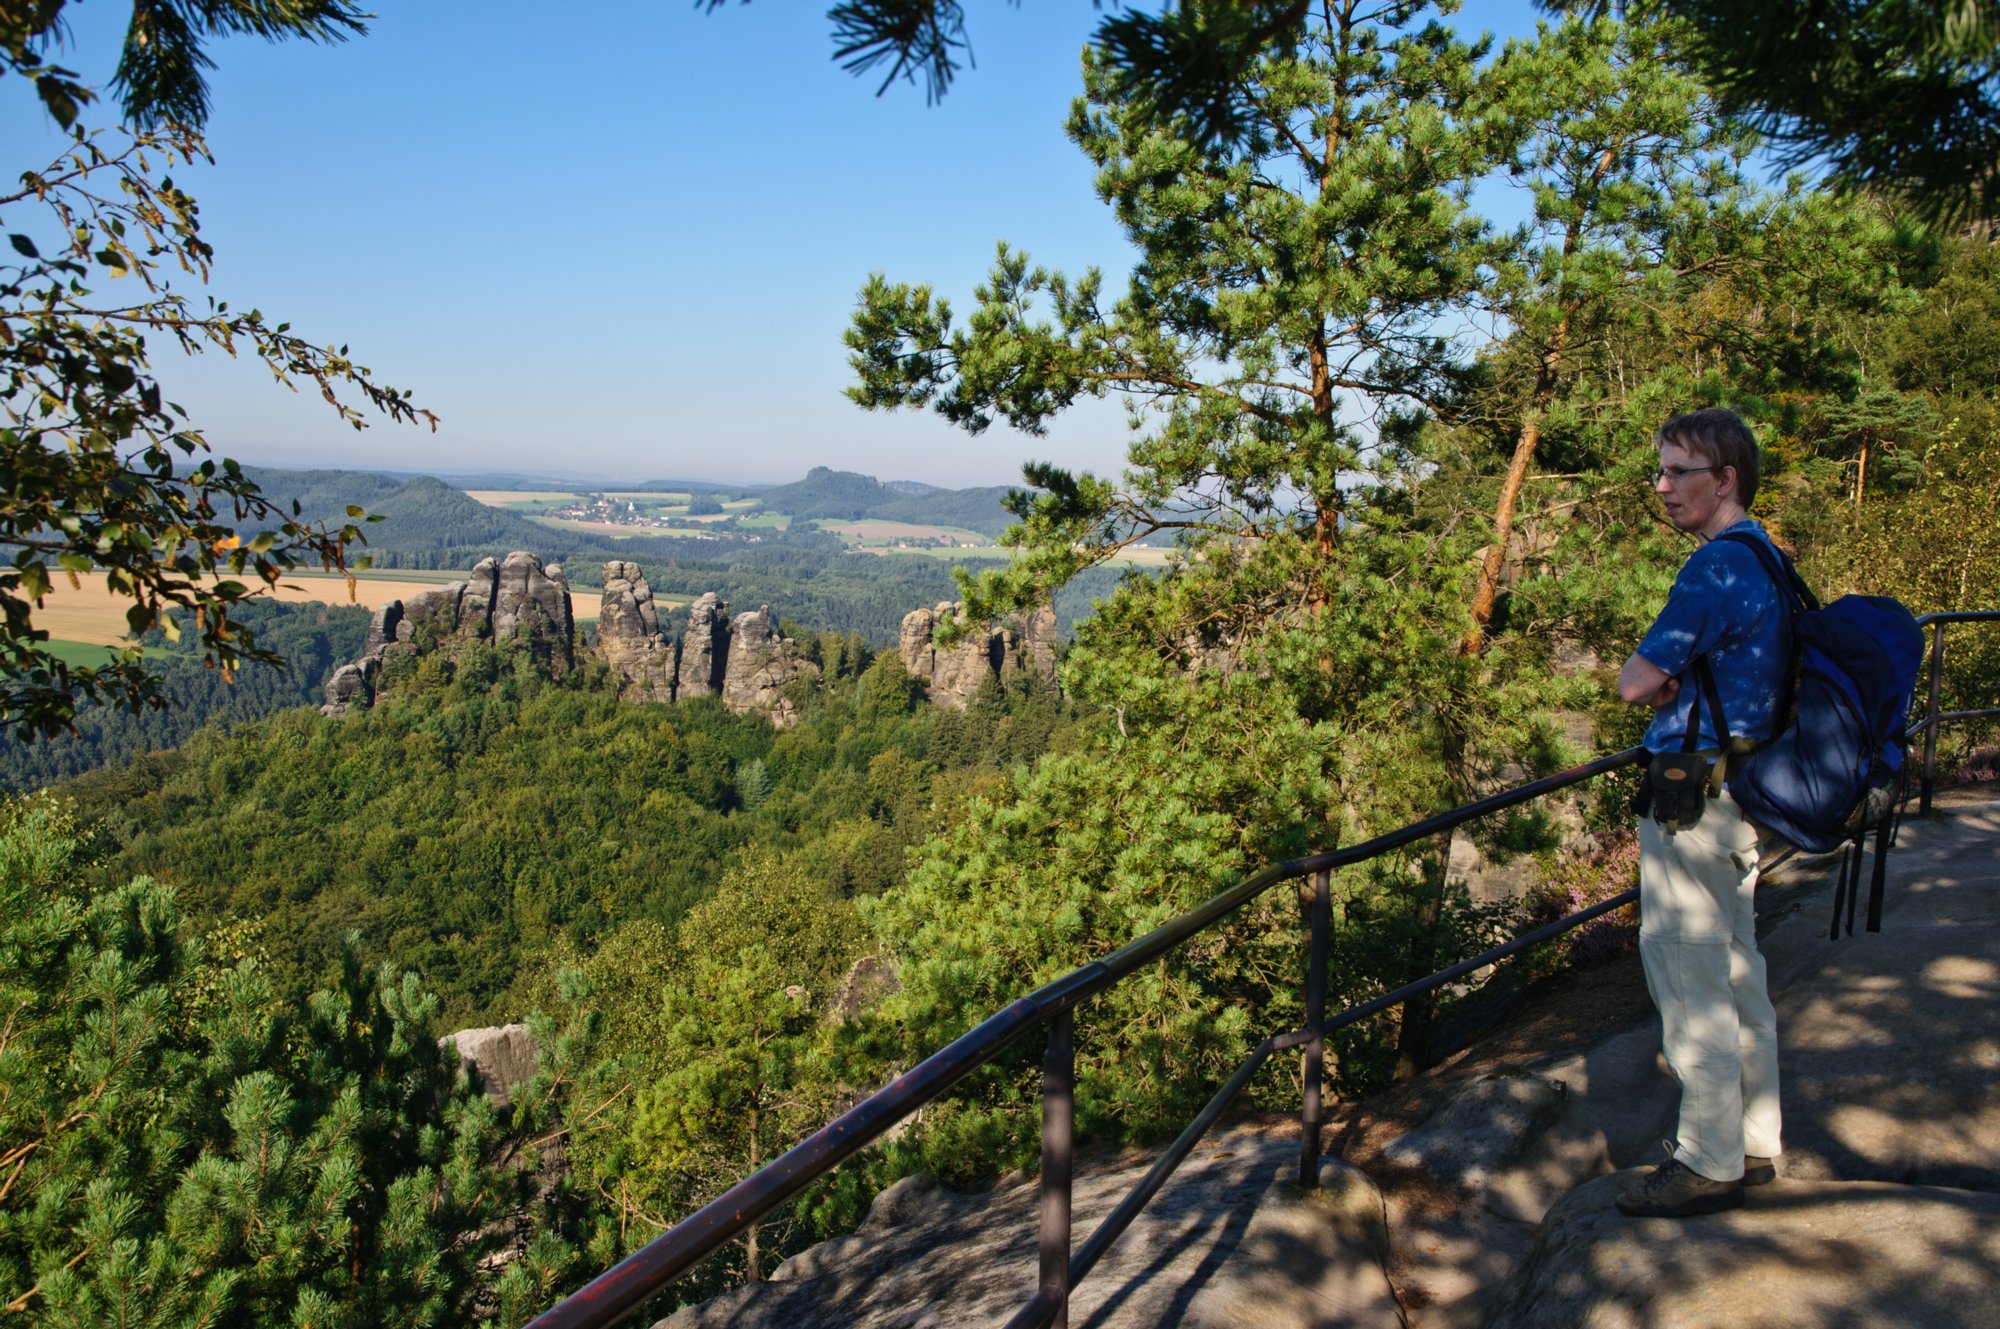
625, 246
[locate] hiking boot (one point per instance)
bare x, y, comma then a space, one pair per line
1673, 1190
1758, 1170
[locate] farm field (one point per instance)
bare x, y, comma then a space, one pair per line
1139, 556
74, 653
876, 532
544, 507
518, 498
89, 616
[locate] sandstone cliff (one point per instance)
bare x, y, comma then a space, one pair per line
513, 600
704, 648
628, 636
954, 673
745, 661
761, 667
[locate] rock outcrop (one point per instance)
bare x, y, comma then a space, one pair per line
746, 661
502, 1057
761, 667
1229, 1241
629, 638
532, 602
704, 648
953, 674
514, 600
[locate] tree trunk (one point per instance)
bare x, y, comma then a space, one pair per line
1488, 589
1487, 592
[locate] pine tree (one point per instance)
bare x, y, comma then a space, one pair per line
180, 1150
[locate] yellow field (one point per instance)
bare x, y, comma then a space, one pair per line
875, 529
500, 498
91, 613
1144, 556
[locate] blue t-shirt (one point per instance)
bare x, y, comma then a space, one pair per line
1723, 604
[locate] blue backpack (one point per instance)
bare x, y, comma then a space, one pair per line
1856, 663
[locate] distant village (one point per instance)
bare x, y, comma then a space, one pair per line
615, 512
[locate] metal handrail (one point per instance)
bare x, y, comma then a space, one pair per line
619, 1290
1932, 718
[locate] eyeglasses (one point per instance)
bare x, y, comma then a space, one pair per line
1673, 475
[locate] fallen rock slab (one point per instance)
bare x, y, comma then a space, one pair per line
1230, 1241
503, 1057
1798, 1255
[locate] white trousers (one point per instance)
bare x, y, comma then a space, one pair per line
1698, 939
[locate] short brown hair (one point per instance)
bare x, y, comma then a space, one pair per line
1719, 437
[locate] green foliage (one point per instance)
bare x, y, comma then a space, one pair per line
709, 1057
161, 60
104, 472
1899, 98
480, 814
181, 1148
311, 639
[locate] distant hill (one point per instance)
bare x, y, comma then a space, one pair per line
803, 574
422, 513
831, 495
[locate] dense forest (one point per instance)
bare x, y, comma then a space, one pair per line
1403, 451
311, 639
482, 813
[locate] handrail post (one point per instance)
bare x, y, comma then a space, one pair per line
1315, 1048
1931, 718
1058, 1133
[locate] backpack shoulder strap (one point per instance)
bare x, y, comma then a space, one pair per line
1705, 681
1779, 567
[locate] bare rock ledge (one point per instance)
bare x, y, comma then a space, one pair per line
1229, 1243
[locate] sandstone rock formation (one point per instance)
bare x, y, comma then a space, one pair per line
515, 600
1034, 645
761, 666
704, 648
954, 673
352, 685
746, 662
866, 983
504, 1057
628, 636
1471, 1139
532, 603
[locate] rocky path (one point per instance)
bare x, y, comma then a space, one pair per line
1887, 1212
1482, 1194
